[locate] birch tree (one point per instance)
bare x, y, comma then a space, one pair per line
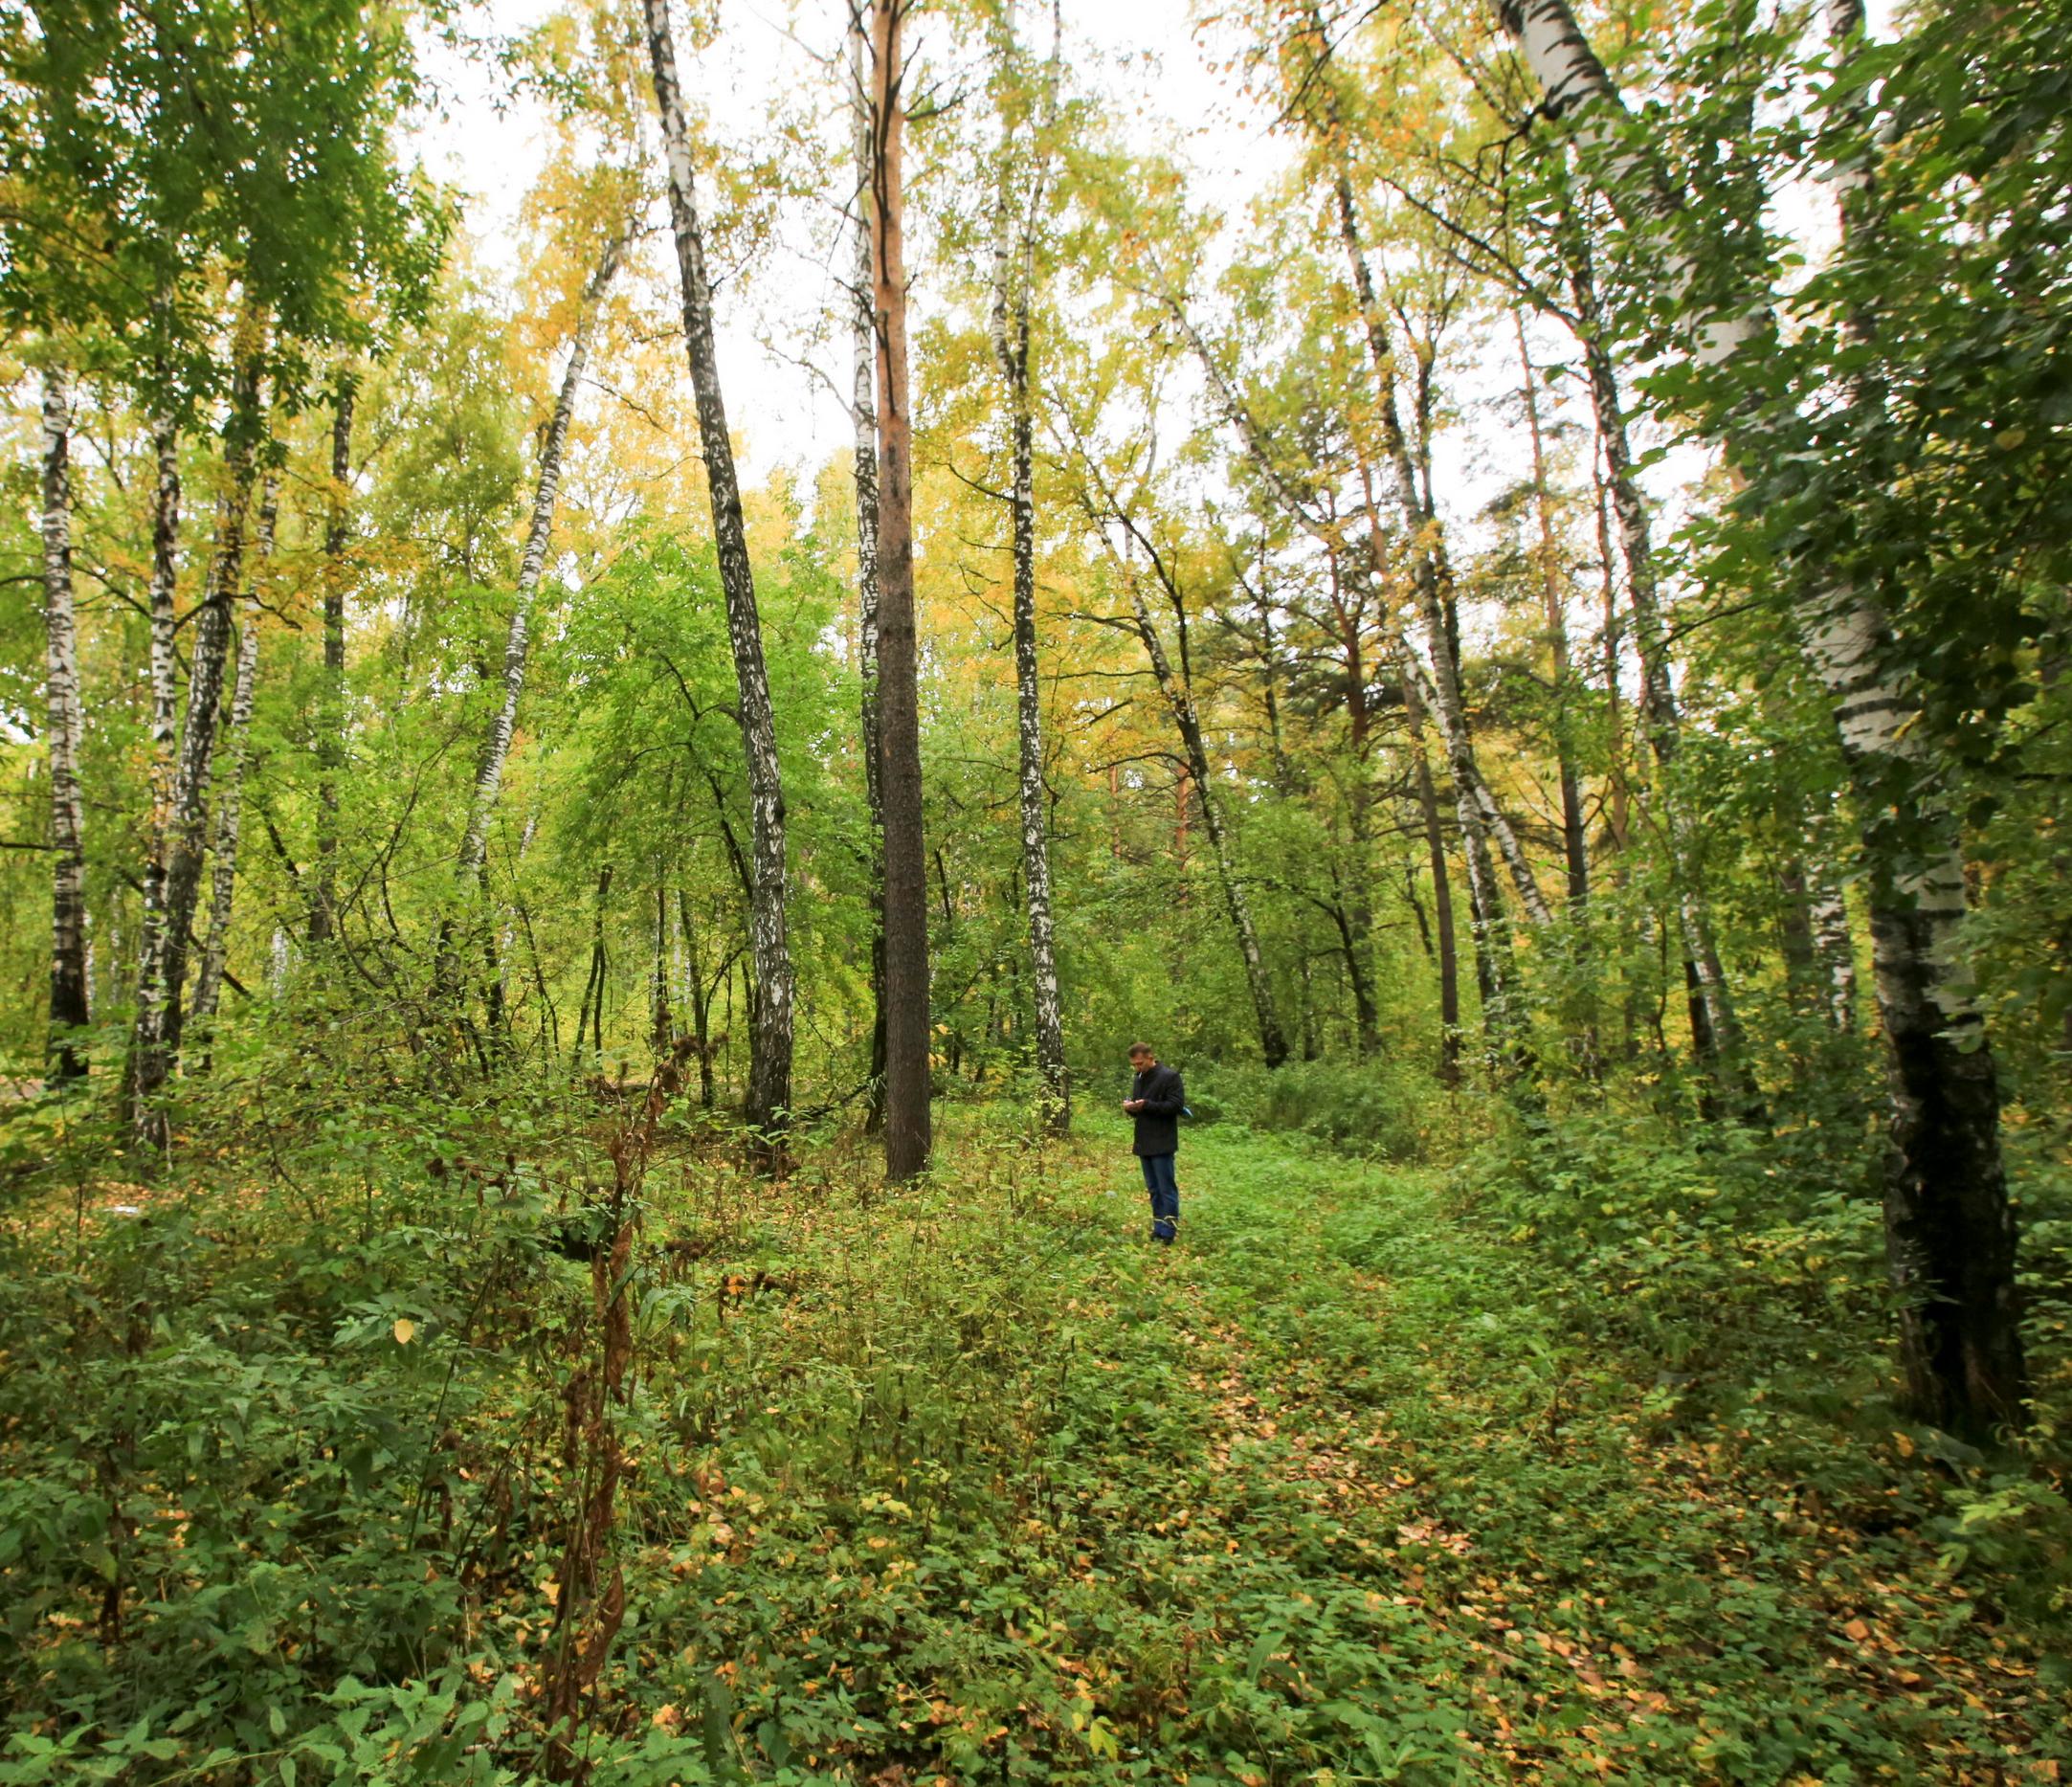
155, 1037
65, 1052
1013, 283
236, 752
497, 744
331, 717
1949, 1229
769, 1065
863, 424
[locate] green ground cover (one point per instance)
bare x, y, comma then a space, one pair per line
965, 1483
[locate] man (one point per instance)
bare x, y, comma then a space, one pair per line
1156, 1100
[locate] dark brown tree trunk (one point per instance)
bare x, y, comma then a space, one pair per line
908, 1122
769, 1055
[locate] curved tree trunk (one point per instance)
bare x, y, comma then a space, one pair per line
1012, 288
770, 1060
1950, 1238
66, 1052
908, 1122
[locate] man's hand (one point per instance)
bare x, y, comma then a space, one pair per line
1132, 1106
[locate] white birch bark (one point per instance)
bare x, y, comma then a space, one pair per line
1180, 703
863, 423
66, 1053
155, 1040
1949, 1229
1013, 290
1430, 575
235, 750
332, 743
497, 745
1720, 1045
770, 1070
165, 726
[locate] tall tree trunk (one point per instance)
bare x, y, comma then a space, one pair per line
235, 751
1431, 577
1442, 898
155, 1042
66, 1051
1180, 704
1013, 289
1715, 1027
1950, 1237
770, 1056
497, 745
1575, 841
700, 998
331, 718
908, 1123
165, 757
863, 423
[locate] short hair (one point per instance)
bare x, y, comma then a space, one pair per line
1141, 1048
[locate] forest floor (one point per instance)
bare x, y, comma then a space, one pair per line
972, 1483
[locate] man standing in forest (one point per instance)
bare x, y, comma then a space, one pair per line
1156, 1100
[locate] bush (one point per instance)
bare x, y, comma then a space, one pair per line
1368, 1109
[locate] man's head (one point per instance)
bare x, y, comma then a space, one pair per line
1143, 1055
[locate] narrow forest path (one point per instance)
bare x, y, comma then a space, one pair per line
1329, 1492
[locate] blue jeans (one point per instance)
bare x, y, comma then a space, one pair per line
1165, 1189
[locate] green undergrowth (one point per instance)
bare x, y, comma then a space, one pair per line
964, 1482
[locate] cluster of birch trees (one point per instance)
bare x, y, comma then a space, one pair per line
306, 550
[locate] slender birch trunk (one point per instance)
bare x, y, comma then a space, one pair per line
331, 719
769, 1058
1716, 1038
65, 1052
155, 1042
1575, 841
1431, 576
864, 422
908, 1121
1442, 898
1013, 289
235, 751
497, 745
1180, 704
1951, 1234
165, 726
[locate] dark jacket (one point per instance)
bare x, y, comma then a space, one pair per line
1158, 1122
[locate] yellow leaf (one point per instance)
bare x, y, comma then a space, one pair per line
404, 1331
